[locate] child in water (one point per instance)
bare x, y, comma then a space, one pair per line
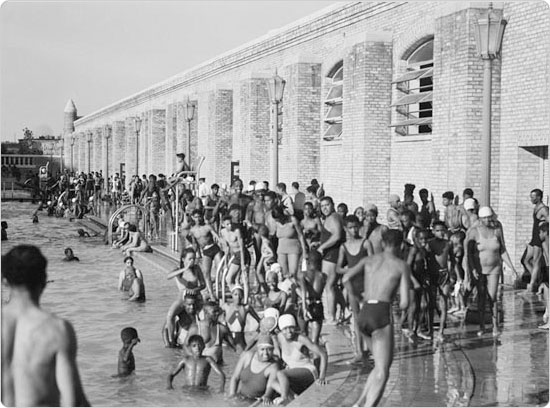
69, 256
126, 362
197, 367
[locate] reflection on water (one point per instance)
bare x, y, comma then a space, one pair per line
86, 293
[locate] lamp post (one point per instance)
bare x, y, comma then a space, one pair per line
275, 87
89, 140
189, 112
137, 127
108, 130
72, 152
61, 143
488, 32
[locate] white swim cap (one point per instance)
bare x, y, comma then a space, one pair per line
286, 320
469, 204
271, 312
275, 267
485, 212
237, 287
74, 200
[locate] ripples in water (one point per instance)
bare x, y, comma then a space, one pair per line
86, 294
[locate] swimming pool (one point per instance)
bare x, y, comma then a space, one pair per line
86, 294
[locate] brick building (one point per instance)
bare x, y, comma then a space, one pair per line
377, 95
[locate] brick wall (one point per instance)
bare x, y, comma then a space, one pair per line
219, 133
299, 151
171, 139
118, 154
251, 144
157, 141
525, 115
130, 149
144, 140
82, 152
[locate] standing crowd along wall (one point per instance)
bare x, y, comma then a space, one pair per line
377, 95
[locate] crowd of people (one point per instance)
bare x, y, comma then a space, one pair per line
281, 257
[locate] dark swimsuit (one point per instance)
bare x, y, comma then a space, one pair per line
357, 282
373, 316
211, 250
330, 254
253, 385
535, 238
316, 310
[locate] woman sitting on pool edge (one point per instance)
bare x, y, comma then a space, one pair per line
131, 280
137, 243
300, 370
257, 375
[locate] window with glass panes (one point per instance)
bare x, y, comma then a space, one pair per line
334, 103
413, 105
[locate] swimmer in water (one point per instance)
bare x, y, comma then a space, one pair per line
69, 256
35, 218
196, 366
126, 361
38, 348
82, 233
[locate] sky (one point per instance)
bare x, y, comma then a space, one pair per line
97, 52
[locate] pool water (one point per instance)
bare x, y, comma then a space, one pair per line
86, 294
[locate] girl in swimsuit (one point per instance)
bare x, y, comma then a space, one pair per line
311, 225
131, 280
235, 317
189, 277
275, 298
291, 241
350, 254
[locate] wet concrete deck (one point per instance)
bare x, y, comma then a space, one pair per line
510, 369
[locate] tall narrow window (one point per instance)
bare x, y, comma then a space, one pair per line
413, 106
334, 103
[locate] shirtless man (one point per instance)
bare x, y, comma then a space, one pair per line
241, 257
255, 217
38, 348
427, 213
213, 332
374, 230
270, 201
181, 168
453, 214
332, 235
439, 266
239, 198
534, 248
181, 317
204, 240
384, 274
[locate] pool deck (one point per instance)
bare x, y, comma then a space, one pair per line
510, 369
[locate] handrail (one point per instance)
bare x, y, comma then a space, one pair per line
120, 210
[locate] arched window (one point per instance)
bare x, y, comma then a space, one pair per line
413, 106
334, 103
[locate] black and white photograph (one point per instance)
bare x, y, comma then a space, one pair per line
274, 203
